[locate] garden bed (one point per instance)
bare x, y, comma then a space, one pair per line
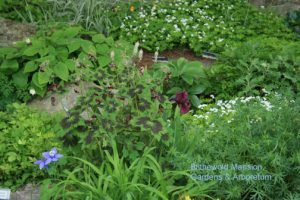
217, 126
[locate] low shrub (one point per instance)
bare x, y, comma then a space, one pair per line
51, 58
251, 131
24, 134
261, 63
201, 25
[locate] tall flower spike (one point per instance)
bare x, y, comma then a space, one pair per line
155, 56
136, 49
141, 52
112, 55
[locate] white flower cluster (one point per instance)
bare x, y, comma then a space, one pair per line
228, 108
182, 21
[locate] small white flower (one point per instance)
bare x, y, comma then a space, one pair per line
32, 91
28, 41
112, 55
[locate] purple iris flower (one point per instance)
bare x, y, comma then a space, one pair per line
41, 163
52, 156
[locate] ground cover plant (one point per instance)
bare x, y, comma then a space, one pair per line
261, 63
24, 134
201, 25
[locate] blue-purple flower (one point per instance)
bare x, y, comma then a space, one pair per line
41, 163
51, 156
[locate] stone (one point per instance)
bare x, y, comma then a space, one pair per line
29, 192
11, 31
57, 102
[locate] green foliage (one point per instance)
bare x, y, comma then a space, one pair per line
293, 21
182, 75
247, 130
102, 16
24, 134
114, 179
10, 92
23, 10
263, 63
124, 105
201, 25
57, 56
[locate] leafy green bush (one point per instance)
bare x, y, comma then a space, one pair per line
261, 63
23, 10
125, 105
24, 134
10, 93
58, 56
182, 75
114, 179
261, 131
202, 25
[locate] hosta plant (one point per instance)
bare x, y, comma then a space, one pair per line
52, 58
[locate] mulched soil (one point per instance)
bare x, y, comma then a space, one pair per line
172, 54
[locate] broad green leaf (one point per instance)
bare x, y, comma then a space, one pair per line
72, 31
7, 51
9, 66
197, 89
88, 47
103, 49
181, 62
74, 45
99, 38
104, 60
31, 66
194, 69
30, 51
110, 41
38, 43
35, 81
44, 77
174, 90
70, 64
195, 100
20, 79
188, 79
61, 70
62, 52
43, 51
49, 59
